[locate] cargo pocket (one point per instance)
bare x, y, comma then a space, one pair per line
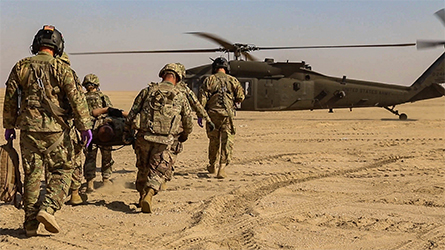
165, 166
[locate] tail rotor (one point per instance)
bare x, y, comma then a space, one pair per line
426, 44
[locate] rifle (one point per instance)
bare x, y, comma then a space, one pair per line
228, 105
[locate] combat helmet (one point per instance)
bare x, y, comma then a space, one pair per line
220, 62
182, 70
50, 37
91, 79
174, 68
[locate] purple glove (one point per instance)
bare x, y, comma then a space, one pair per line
200, 122
10, 134
87, 136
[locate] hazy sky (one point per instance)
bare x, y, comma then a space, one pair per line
156, 25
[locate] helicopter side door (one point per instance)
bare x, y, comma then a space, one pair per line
302, 96
283, 94
295, 94
266, 97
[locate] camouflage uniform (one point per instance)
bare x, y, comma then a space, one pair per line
97, 99
39, 129
155, 157
191, 97
75, 136
77, 160
218, 94
193, 101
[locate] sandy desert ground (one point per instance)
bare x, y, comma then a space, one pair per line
299, 180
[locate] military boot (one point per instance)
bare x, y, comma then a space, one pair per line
106, 182
211, 168
221, 172
90, 186
75, 198
141, 197
31, 228
146, 205
49, 221
31, 232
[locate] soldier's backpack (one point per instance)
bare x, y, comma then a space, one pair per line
163, 116
10, 181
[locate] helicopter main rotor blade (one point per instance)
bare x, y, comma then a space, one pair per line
339, 46
249, 57
150, 51
227, 45
425, 44
241, 49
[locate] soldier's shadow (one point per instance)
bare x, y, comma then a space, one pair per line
118, 206
204, 175
18, 233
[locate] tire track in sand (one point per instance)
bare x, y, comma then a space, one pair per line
233, 214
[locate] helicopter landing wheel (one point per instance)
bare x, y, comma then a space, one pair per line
402, 116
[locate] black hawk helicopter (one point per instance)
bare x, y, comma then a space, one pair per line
273, 86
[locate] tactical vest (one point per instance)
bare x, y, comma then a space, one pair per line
95, 100
161, 111
35, 102
221, 99
37, 82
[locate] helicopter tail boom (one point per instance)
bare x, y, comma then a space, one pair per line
430, 83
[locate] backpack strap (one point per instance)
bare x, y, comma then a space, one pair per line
49, 149
11, 181
102, 98
55, 110
104, 103
18, 180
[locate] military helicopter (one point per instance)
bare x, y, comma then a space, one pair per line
274, 86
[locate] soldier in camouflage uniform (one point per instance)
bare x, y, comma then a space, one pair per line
41, 96
218, 94
193, 100
96, 100
77, 145
163, 111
